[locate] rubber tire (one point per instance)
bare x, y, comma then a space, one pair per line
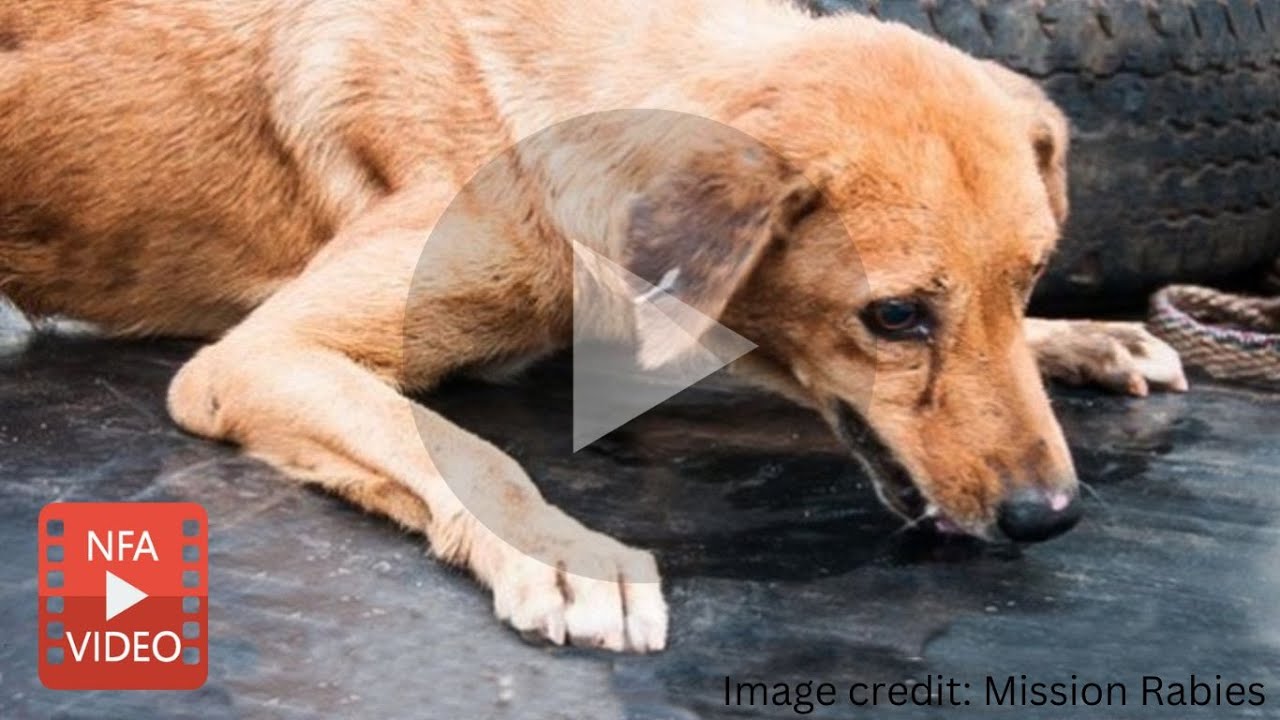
1175, 110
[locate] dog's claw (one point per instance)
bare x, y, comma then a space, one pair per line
584, 596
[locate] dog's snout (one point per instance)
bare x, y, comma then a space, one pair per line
1033, 514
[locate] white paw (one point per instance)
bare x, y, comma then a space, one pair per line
1120, 356
590, 592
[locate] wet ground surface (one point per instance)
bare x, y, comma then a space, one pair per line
781, 566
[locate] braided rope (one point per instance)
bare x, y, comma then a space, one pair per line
1232, 337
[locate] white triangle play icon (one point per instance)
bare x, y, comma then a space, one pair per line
121, 595
613, 384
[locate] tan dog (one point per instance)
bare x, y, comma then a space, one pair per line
267, 173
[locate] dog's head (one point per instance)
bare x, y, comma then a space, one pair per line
882, 259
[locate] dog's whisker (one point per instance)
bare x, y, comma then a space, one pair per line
910, 525
1094, 494
913, 523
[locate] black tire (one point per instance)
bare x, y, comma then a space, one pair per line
1175, 111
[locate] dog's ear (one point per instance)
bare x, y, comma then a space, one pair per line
1049, 133
698, 232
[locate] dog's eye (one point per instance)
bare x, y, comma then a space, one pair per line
897, 319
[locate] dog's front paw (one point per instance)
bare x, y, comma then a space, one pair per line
591, 592
1120, 356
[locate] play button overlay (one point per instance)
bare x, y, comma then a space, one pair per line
123, 596
672, 348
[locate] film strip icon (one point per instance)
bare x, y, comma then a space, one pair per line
123, 596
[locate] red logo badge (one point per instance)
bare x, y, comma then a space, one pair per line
123, 596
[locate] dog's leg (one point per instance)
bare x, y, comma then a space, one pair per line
308, 382
1120, 356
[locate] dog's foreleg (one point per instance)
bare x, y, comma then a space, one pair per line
1120, 356
309, 383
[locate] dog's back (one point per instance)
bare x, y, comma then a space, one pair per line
169, 164
142, 163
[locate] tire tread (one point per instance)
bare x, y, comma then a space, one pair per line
1175, 109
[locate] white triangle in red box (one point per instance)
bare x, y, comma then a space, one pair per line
121, 595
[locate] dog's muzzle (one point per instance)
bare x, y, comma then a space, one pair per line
1028, 515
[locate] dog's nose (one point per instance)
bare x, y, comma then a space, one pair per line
1033, 515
